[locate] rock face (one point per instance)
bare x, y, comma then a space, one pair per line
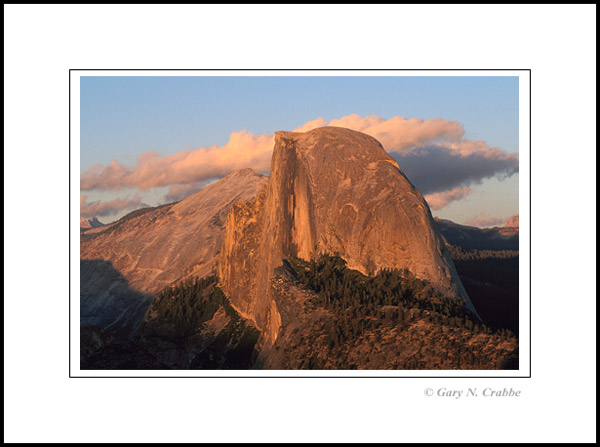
151, 248
336, 191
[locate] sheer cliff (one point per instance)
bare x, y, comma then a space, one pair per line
336, 191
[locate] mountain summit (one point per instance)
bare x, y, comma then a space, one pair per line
87, 224
513, 222
331, 191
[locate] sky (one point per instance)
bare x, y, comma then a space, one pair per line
146, 141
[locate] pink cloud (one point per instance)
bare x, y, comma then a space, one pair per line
483, 220
441, 199
243, 150
432, 153
310, 125
397, 134
468, 148
98, 208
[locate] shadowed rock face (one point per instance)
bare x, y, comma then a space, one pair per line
107, 300
154, 248
337, 191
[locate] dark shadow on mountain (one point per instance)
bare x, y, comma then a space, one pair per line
107, 300
487, 262
493, 286
188, 326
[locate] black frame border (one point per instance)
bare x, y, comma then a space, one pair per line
301, 377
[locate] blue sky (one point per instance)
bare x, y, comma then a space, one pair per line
123, 117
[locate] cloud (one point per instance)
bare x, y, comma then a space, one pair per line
243, 150
483, 220
397, 134
431, 152
442, 168
441, 199
98, 208
310, 125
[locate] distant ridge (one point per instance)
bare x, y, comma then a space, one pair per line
475, 238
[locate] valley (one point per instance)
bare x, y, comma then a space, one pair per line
334, 261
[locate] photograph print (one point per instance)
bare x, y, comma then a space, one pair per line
298, 223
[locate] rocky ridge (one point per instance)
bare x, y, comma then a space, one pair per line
155, 247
